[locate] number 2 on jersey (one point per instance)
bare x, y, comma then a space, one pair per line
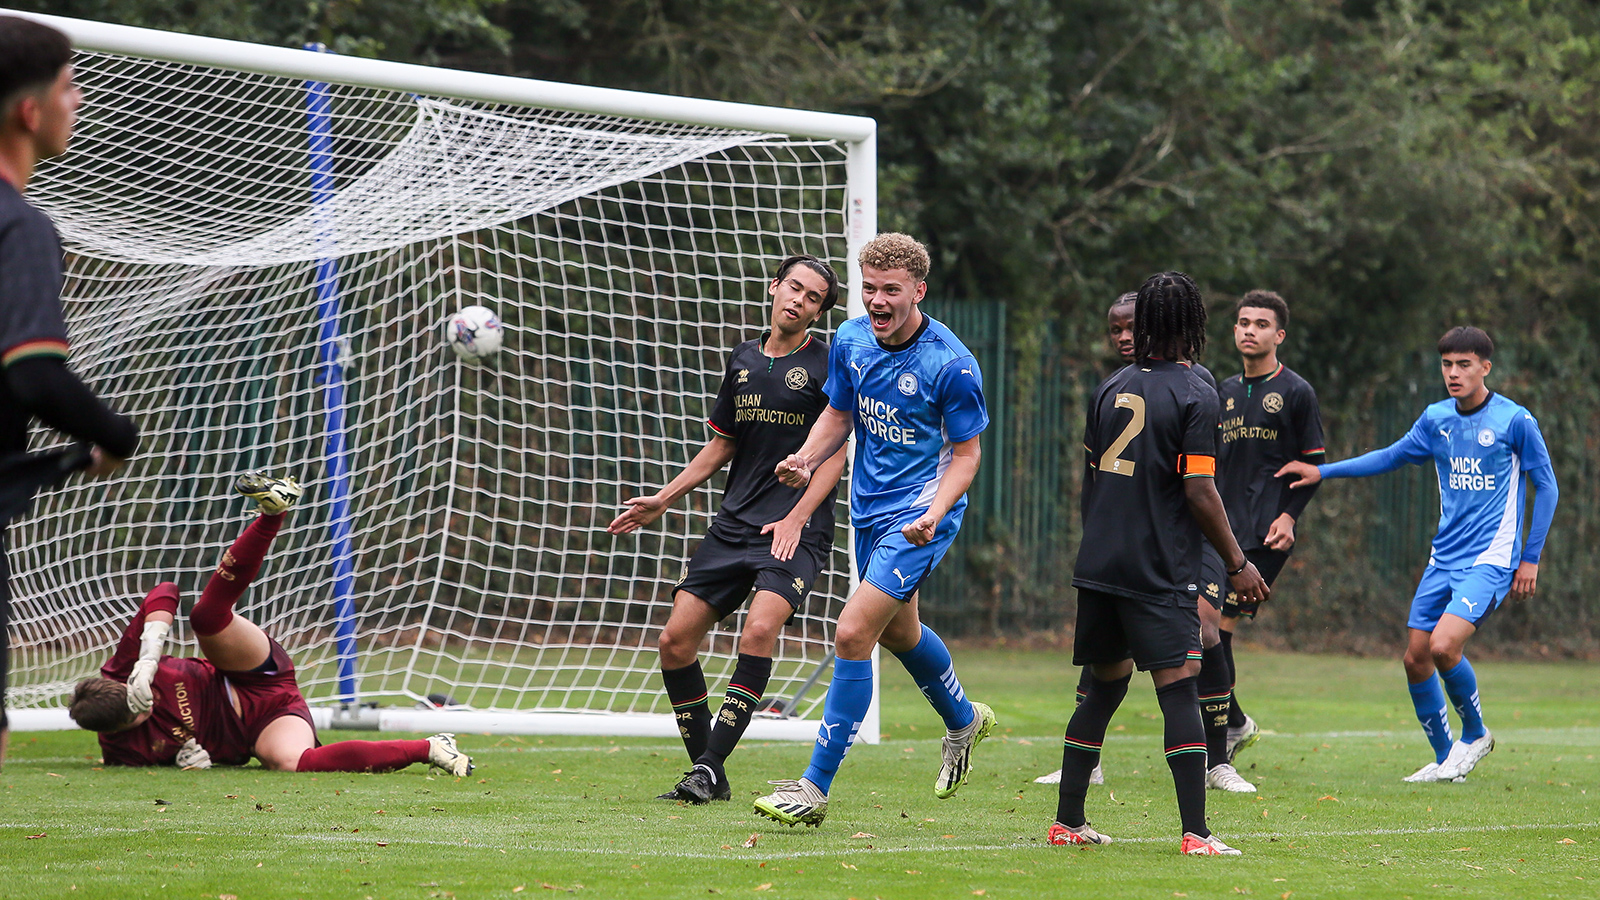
1112, 461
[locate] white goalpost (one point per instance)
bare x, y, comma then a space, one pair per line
262, 246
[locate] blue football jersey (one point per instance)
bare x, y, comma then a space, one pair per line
1482, 459
909, 405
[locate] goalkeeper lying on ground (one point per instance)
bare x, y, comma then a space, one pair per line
242, 699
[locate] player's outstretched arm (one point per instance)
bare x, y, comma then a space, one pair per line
827, 436
152, 644
964, 461
786, 531
642, 511
1205, 504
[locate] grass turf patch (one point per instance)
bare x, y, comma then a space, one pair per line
556, 814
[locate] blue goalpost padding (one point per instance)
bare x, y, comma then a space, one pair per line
319, 133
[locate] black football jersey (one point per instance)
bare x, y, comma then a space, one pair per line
1266, 422
1148, 428
767, 406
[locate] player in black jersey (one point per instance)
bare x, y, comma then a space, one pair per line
38, 107
1215, 685
1150, 440
773, 538
1269, 417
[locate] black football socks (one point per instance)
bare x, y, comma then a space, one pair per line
1235, 714
686, 688
1185, 741
1080, 751
745, 689
1216, 700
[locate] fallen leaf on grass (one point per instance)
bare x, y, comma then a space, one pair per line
1286, 895
1566, 841
862, 834
519, 889
979, 893
1328, 797
727, 846
751, 840
1471, 866
35, 837
383, 843
913, 872
54, 775
227, 897
847, 865
765, 886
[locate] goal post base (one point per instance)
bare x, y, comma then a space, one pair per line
468, 721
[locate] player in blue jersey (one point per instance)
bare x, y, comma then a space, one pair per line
1487, 450
914, 397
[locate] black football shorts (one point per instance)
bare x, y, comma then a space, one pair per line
1213, 577
1156, 634
1269, 563
723, 571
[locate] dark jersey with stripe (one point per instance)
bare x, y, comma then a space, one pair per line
1148, 428
1266, 421
767, 406
31, 320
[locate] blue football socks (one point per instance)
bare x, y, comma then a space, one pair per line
1461, 683
930, 667
1428, 699
849, 696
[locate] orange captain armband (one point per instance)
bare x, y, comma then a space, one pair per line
1191, 465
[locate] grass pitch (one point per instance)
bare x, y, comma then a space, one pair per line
546, 816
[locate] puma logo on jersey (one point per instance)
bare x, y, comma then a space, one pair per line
853, 365
1470, 605
901, 577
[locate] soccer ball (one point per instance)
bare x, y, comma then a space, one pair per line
474, 333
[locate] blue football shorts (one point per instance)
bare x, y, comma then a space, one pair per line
894, 565
1471, 593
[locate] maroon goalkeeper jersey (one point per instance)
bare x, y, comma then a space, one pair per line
191, 700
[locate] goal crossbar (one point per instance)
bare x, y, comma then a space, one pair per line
151, 43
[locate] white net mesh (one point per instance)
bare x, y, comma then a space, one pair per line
626, 258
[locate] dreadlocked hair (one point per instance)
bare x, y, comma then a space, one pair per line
1169, 318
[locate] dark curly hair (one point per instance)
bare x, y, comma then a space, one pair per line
1169, 318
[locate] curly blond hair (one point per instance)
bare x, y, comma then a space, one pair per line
893, 250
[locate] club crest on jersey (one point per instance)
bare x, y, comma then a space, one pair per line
744, 377
1230, 404
1486, 437
796, 378
1272, 402
907, 384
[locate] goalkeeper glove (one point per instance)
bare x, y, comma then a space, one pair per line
152, 643
193, 756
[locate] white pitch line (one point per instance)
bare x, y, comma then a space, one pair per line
725, 855
474, 841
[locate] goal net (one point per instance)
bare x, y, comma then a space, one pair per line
260, 260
